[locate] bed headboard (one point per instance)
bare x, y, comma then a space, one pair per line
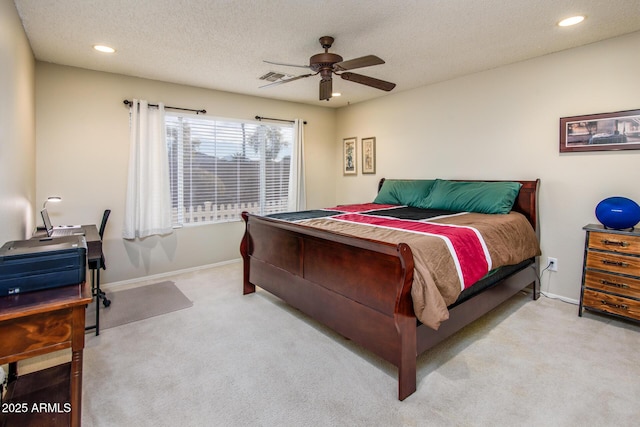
526, 203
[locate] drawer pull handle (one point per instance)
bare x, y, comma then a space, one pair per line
622, 306
617, 285
620, 243
616, 263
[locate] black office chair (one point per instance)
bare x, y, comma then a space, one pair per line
95, 267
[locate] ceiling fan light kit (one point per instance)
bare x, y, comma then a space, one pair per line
327, 64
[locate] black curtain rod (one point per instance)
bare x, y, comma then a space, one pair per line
260, 118
127, 102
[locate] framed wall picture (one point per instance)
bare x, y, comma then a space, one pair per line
601, 132
369, 155
349, 156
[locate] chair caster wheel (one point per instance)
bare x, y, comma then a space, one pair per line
106, 302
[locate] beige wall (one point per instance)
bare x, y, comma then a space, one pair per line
82, 133
504, 124
17, 127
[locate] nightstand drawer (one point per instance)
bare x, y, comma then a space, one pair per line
615, 242
611, 304
614, 263
625, 286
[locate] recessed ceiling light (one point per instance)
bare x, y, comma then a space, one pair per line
336, 94
571, 21
103, 48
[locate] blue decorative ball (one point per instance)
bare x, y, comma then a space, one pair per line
618, 213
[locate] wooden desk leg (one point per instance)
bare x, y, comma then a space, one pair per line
77, 346
76, 388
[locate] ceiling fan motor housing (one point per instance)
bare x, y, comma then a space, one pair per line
324, 61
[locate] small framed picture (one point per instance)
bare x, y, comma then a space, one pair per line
369, 155
601, 132
349, 156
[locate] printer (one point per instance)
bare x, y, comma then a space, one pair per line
42, 263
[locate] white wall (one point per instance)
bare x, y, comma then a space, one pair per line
504, 124
17, 127
82, 134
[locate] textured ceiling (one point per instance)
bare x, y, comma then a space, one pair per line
221, 44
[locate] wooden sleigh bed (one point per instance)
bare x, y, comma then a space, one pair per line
361, 288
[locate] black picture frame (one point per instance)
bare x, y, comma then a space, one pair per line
369, 155
350, 156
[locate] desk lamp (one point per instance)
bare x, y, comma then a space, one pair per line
55, 199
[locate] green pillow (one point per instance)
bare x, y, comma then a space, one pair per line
466, 196
404, 191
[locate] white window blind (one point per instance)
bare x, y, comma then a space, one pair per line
221, 167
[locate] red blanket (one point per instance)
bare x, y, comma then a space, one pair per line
465, 244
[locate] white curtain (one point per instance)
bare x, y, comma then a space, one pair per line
148, 204
297, 197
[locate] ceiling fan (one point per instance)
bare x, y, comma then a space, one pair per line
326, 64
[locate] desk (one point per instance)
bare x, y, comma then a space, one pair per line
91, 235
94, 243
94, 254
36, 323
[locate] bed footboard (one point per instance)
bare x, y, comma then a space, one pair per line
359, 288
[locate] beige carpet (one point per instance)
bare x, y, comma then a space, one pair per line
234, 360
132, 305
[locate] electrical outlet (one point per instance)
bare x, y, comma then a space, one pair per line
552, 264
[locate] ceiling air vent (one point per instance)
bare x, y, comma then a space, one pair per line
274, 76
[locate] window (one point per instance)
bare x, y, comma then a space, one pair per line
221, 167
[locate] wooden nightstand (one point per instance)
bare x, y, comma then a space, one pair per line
611, 273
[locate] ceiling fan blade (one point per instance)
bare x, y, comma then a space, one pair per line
286, 65
279, 82
326, 88
364, 61
369, 81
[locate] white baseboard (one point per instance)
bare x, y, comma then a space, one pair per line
561, 298
549, 295
112, 286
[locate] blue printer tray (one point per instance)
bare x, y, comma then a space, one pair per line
35, 264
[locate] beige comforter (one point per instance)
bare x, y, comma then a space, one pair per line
509, 239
